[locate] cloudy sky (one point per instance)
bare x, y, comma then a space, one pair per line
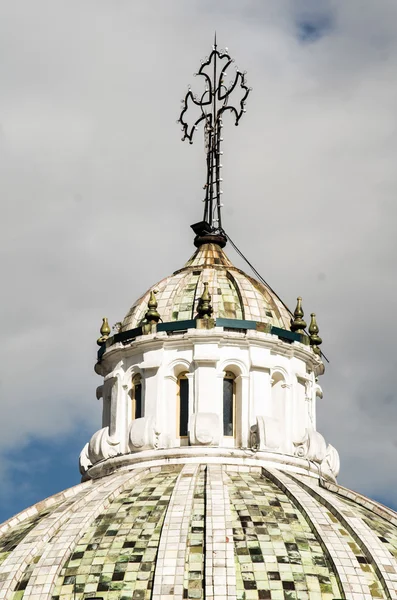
98, 192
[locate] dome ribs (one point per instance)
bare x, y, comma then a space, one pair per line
67, 536
367, 547
204, 530
124, 533
237, 290
209, 255
379, 509
195, 294
326, 530
182, 299
382, 527
220, 571
235, 295
174, 538
34, 532
276, 545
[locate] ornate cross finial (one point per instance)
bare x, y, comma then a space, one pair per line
211, 104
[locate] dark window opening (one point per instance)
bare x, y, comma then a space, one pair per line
137, 398
228, 406
138, 401
183, 406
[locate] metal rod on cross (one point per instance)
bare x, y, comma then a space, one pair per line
212, 103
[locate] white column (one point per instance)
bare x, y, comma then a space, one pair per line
205, 356
299, 410
151, 391
309, 404
192, 403
288, 446
174, 540
118, 414
205, 386
167, 413
218, 407
125, 415
317, 393
260, 394
113, 389
242, 411
313, 407
220, 573
107, 404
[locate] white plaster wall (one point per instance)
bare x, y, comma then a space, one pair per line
300, 410
273, 380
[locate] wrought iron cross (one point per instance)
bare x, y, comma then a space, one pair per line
212, 104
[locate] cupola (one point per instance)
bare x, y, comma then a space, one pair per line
210, 361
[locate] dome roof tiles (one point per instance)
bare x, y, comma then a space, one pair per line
234, 294
199, 530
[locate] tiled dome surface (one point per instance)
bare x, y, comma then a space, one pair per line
201, 531
235, 295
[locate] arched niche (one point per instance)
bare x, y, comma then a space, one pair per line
178, 401
178, 366
231, 404
107, 400
182, 406
137, 397
134, 384
301, 408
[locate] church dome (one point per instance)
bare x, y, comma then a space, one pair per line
201, 531
208, 479
235, 295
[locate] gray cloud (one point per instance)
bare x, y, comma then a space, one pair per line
98, 193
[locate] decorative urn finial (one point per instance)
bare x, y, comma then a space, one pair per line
204, 308
152, 316
105, 331
298, 324
315, 339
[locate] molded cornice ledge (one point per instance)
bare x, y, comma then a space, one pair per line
214, 337
188, 454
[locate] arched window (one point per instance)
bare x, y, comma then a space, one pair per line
229, 404
136, 397
183, 405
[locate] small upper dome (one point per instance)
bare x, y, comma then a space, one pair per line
234, 294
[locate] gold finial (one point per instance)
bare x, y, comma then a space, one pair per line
298, 324
315, 339
204, 308
105, 331
152, 316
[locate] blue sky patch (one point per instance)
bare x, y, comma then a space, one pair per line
38, 470
311, 28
